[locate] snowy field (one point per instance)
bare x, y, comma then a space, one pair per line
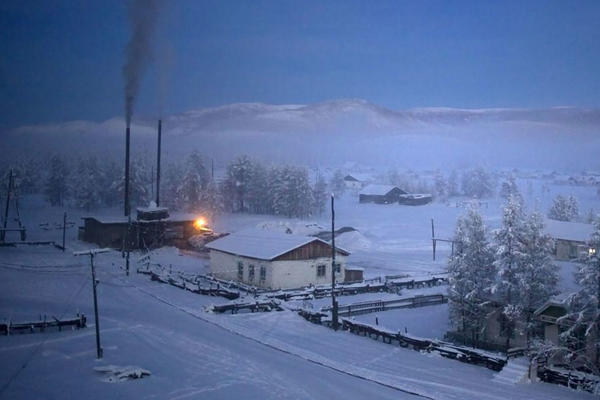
427, 322
195, 354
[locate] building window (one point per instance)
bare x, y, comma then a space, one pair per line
338, 268
251, 273
240, 271
320, 270
263, 273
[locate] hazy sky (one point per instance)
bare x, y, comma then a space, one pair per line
62, 60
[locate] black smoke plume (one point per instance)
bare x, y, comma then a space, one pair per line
143, 15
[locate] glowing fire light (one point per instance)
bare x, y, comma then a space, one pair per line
199, 223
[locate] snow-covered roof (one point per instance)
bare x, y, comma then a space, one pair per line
378, 190
573, 231
262, 244
119, 219
359, 177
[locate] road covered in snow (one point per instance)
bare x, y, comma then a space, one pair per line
192, 353
195, 354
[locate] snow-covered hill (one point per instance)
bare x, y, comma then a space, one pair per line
347, 129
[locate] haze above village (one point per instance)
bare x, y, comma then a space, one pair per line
305, 200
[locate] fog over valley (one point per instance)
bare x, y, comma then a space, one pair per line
338, 131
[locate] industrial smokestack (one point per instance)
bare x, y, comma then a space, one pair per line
158, 164
127, 205
143, 15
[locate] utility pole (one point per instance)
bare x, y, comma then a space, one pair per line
64, 229
92, 253
433, 238
10, 183
334, 304
158, 163
128, 244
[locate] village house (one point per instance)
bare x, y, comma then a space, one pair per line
356, 181
570, 238
274, 260
380, 194
549, 316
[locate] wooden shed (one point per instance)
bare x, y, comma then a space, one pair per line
380, 194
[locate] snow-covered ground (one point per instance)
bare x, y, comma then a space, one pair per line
194, 354
426, 322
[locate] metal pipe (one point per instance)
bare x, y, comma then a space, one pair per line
126, 205
158, 164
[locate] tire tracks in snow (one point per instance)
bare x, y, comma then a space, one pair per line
323, 364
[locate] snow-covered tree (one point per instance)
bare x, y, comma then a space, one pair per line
170, 185
509, 187
193, 182
453, 184
26, 176
109, 172
237, 182
564, 209
583, 318
590, 217
471, 275
337, 184
508, 260
477, 183
210, 199
85, 184
292, 192
56, 184
537, 274
139, 184
259, 197
319, 195
440, 187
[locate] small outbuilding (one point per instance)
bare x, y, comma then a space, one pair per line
570, 238
380, 194
356, 181
415, 199
274, 260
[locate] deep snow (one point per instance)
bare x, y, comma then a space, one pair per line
191, 353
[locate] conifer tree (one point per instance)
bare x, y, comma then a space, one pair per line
508, 260
56, 188
471, 275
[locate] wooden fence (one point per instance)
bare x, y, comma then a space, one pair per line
386, 305
448, 350
9, 328
258, 306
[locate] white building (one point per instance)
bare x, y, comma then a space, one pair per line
274, 260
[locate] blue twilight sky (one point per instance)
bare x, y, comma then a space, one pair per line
62, 60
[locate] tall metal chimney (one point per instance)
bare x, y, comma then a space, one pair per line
158, 164
127, 206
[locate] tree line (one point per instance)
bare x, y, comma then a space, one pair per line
188, 185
